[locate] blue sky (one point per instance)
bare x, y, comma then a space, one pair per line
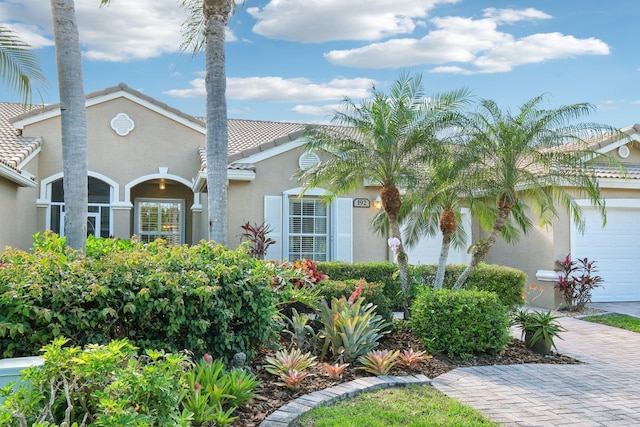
295, 60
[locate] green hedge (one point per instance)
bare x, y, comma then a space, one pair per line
508, 283
202, 298
372, 292
460, 323
380, 272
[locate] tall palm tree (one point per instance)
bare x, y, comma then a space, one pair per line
205, 29
435, 203
73, 118
19, 69
529, 160
392, 131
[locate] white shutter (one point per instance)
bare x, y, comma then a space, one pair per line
343, 236
273, 217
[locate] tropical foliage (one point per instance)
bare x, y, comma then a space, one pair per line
525, 163
392, 134
19, 68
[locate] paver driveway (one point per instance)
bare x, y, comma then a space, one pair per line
604, 391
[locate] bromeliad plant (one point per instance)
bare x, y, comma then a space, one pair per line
334, 371
576, 281
350, 328
300, 329
411, 359
379, 362
290, 366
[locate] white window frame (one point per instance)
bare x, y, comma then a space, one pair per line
46, 189
182, 221
340, 225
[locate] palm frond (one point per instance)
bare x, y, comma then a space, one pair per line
19, 68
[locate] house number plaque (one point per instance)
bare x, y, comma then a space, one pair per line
361, 203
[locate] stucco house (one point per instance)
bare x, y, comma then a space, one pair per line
147, 176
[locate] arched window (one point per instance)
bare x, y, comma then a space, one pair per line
99, 212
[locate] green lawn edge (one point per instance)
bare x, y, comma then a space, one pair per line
412, 406
623, 321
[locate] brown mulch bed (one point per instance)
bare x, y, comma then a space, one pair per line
271, 396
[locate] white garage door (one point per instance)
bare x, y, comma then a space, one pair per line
427, 251
615, 248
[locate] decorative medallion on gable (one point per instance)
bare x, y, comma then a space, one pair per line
122, 124
308, 160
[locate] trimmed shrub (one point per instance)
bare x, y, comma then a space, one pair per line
460, 323
508, 283
203, 298
372, 292
381, 272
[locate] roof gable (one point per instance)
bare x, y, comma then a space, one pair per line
120, 91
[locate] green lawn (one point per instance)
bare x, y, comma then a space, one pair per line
415, 406
623, 321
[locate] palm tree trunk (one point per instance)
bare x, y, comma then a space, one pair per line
403, 265
482, 247
442, 261
216, 15
73, 119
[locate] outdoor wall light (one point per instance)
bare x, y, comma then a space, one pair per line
377, 203
162, 184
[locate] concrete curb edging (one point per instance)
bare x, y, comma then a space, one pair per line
287, 415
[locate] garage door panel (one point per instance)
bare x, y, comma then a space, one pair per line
615, 249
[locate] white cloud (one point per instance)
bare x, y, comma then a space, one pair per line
509, 16
475, 42
278, 89
29, 34
321, 21
317, 110
123, 31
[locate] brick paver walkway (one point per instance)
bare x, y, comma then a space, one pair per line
604, 391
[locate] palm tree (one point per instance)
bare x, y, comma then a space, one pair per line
19, 68
392, 132
73, 118
435, 204
530, 159
205, 29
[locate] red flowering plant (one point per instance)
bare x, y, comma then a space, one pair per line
576, 281
295, 283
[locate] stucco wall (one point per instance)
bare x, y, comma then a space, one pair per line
273, 177
155, 142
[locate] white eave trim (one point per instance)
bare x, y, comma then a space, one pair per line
620, 183
200, 181
108, 97
275, 151
29, 157
15, 176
